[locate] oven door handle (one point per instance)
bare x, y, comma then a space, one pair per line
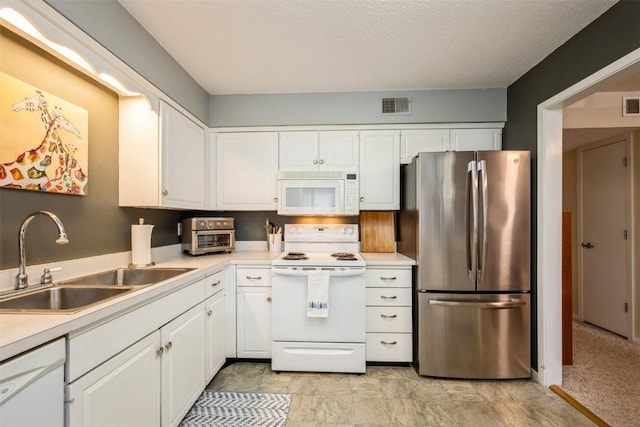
332, 273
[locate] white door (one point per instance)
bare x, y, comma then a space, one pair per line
380, 170
254, 322
123, 391
183, 158
214, 309
247, 164
338, 150
183, 371
298, 151
603, 238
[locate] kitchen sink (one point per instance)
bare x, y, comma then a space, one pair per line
60, 299
73, 295
127, 277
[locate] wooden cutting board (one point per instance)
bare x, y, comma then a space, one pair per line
377, 232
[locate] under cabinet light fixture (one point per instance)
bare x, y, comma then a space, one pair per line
18, 21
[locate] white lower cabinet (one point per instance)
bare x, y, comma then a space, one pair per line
389, 314
215, 333
253, 314
124, 391
118, 376
254, 322
183, 360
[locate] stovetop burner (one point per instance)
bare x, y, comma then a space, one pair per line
297, 256
344, 256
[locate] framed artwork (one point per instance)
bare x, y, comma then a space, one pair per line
43, 140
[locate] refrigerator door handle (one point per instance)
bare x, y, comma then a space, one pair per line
472, 221
482, 180
513, 303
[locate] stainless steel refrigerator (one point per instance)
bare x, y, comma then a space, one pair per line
465, 219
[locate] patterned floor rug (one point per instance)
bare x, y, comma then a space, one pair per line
238, 409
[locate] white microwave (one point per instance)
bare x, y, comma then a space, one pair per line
318, 193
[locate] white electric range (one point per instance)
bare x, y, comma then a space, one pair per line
320, 258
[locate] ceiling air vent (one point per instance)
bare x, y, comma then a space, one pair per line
631, 106
396, 106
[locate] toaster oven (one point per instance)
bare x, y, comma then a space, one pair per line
207, 235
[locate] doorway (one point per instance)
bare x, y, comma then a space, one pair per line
549, 235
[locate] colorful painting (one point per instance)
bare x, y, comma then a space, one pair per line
43, 140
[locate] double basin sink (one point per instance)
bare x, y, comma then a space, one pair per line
71, 296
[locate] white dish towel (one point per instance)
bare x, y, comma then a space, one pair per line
318, 293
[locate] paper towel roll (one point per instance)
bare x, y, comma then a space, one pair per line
141, 245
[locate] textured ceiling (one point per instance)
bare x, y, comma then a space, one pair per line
275, 46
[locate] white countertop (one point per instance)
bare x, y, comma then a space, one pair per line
22, 332
386, 258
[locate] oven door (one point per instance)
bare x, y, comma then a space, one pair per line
311, 197
347, 307
213, 241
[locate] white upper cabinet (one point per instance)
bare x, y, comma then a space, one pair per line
247, 169
162, 157
476, 139
380, 170
416, 141
324, 150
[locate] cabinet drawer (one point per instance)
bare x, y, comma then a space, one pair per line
214, 283
389, 296
389, 277
254, 277
388, 319
389, 347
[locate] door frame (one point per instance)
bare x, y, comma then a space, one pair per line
626, 138
549, 219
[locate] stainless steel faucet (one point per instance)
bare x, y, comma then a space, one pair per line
21, 278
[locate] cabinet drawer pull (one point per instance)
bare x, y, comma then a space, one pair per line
160, 351
388, 316
169, 345
213, 285
209, 313
386, 297
388, 343
254, 277
387, 278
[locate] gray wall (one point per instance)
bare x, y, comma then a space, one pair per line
107, 22
608, 38
431, 106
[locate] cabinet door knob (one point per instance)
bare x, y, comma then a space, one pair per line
169, 345
160, 351
165, 192
209, 313
388, 343
268, 299
275, 200
362, 199
321, 162
388, 316
315, 162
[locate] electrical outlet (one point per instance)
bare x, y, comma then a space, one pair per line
179, 229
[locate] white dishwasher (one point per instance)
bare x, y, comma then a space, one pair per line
32, 388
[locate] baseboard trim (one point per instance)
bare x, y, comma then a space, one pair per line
579, 406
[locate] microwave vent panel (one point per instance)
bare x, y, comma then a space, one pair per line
396, 106
631, 106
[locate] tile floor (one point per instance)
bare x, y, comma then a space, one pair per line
397, 396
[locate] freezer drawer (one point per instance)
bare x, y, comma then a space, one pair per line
474, 335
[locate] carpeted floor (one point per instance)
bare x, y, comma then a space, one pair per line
605, 375
227, 409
